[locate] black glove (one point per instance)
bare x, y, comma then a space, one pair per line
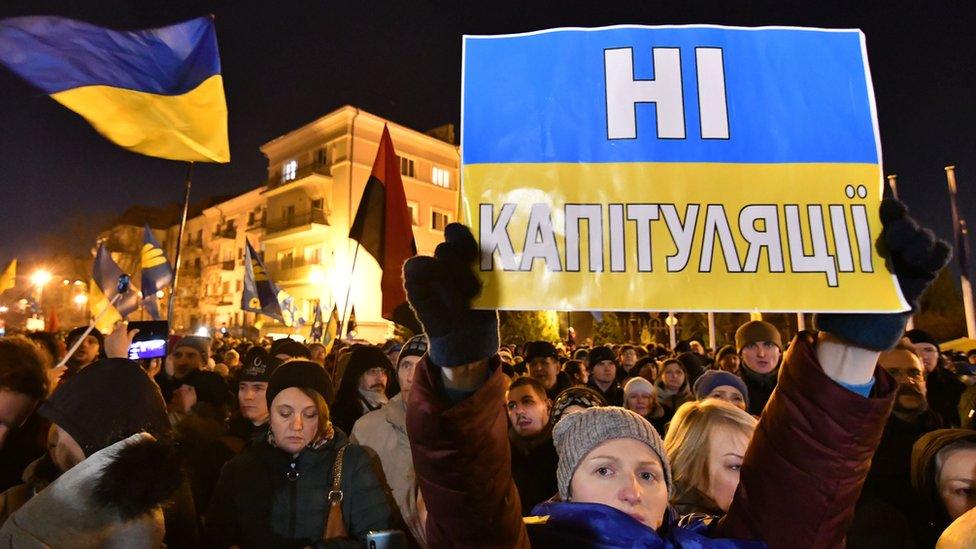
915, 256
440, 290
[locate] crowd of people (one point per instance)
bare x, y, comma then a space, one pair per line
860, 431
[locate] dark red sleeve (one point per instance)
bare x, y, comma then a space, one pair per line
461, 457
806, 464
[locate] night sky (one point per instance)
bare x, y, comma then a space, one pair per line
287, 63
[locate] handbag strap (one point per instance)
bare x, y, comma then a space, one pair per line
335, 495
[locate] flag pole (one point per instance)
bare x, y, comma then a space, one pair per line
179, 247
893, 185
345, 307
962, 243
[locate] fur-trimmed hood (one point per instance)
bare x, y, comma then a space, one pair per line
112, 498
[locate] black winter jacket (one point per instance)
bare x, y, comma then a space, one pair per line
256, 505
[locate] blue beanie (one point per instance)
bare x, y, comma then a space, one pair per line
717, 378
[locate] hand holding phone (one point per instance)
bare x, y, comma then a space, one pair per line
150, 341
118, 342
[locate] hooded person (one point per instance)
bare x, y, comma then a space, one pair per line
384, 432
604, 376
277, 493
760, 347
943, 388
640, 396
250, 423
363, 387
944, 479
112, 464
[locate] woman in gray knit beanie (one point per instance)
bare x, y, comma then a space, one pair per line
613, 456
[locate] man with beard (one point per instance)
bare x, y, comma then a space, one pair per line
534, 457
888, 489
363, 386
90, 350
543, 362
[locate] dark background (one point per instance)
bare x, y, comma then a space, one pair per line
287, 63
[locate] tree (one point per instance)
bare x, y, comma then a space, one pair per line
521, 326
612, 328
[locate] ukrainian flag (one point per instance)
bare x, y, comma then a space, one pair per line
103, 289
156, 272
261, 294
158, 92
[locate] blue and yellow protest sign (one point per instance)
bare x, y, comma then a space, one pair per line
694, 168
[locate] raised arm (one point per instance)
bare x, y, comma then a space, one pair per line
806, 464
455, 418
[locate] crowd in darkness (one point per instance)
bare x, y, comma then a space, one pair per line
858, 432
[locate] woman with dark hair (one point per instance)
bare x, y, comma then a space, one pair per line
944, 477
280, 493
577, 372
673, 388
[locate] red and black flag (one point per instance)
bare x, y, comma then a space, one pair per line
383, 224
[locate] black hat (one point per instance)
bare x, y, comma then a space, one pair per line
257, 365
415, 346
303, 374
539, 349
290, 347
364, 357
76, 333
599, 354
105, 402
210, 387
921, 336
200, 344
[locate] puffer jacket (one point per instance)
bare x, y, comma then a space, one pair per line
265, 498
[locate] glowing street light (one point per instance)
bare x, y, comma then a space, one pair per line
81, 299
41, 277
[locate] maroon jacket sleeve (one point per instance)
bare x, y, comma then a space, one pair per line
462, 462
806, 464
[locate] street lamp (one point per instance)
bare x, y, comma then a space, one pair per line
39, 279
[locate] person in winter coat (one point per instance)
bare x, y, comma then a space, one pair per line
727, 360
542, 359
24, 382
760, 346
944, 479
723, 386
641, 397
673, 388
277, 493
530, 436
250, 424
943, 388
613, 475
603, 375
189, 354
363, 386
384, 432
705, 445
110, 464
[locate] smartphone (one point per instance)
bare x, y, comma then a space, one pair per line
386, 539
151, 340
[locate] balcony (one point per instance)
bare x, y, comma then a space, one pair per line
256, 225
226, 232
310, 220
194, 243
302, 172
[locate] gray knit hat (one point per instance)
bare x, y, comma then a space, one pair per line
576, 434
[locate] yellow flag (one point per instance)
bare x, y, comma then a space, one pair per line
9, 277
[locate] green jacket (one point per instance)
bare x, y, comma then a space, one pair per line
256, 505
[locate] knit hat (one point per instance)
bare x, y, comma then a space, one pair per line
105, 402
257, 365
755, 331
76, 333
577, 434
921, 336
717, 378
415, 346
638, 385
199, 343
725, 350
364, 357
539, 349
599, 354
303, 374
209, 386
290, 347
579, 395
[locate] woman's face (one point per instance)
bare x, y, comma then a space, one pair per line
729, 394
639, 402
726, 447
674, 377
294, 420
957, 481
626, 475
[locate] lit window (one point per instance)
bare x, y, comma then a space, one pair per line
288, 170
439, 220
441, 177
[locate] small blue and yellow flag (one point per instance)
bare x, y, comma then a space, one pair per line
260, 292
156, 273
103, 289
158, 92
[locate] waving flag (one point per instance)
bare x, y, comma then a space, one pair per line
9, 277
260, 293
331, 330
351, 324
103, 289
156, 273
158, 92
317, 325
383, 224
